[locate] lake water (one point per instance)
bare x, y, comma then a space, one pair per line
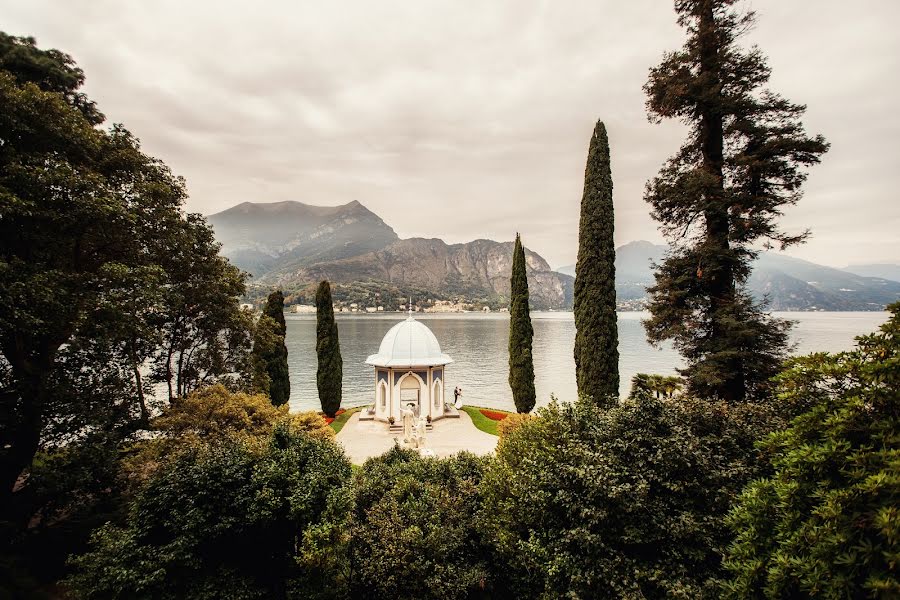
477, 343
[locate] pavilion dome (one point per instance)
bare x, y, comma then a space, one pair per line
409, 343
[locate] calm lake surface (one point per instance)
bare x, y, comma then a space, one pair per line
477, 343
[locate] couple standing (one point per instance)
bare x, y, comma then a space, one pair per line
457, 397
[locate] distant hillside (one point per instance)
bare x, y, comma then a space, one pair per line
789, 283
475, 269
795, 284
260, 238
887, 271
295, 245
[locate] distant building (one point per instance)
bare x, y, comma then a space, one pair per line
303, 308
486, 309
371, 309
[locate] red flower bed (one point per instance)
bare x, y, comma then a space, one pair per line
494, 415
330, 420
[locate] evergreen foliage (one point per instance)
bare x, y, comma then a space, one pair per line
624, 502
407, 528
826, 524
102, 275
521, 332
217, 521
719, 197
266, 342
275, 356
597, 335
328, 352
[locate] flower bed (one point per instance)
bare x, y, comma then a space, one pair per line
330, 420
493, 414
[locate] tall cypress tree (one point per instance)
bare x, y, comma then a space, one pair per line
596, 333
328, 352
718, 199
521, 363
276, 359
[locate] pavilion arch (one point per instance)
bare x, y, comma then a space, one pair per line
382, 395
437, 394
412, 381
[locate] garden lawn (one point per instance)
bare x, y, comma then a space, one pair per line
485, 419
340, 420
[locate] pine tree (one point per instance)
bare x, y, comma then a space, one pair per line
521, 363
597, 335
276, 360
718, 199
328, 352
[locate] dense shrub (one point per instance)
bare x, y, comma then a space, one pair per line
826, 524
217, 521
407, 528
511, 423
623, 503
209, 416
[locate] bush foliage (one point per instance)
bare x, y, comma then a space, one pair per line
620, 503
826, 524
217, 521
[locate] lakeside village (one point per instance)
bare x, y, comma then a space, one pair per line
427, 305
422, 302
432, 306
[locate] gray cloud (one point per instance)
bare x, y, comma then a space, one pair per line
465, 120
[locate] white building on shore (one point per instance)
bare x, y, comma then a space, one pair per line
409, 369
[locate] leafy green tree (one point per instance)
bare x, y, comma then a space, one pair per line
408, 528
719, 198
328, 352
623, 502
88, 216
206, 338
826, 523
217, 521
521, 332
273, 353
596, 332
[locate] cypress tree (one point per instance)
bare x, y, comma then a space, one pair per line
328, 352
718, 199
276, 360
596, 332
521, 363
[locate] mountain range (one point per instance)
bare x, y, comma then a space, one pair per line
788, 283
294, 245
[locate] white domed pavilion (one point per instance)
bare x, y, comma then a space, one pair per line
409, 368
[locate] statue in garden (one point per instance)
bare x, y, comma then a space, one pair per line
420, 432
408, 417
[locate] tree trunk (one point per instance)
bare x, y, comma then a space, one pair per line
138, 382
23, 429
720, 282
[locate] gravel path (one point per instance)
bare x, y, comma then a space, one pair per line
449, 436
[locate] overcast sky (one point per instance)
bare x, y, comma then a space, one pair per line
463, 120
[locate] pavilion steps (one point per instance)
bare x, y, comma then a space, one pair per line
395, 428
